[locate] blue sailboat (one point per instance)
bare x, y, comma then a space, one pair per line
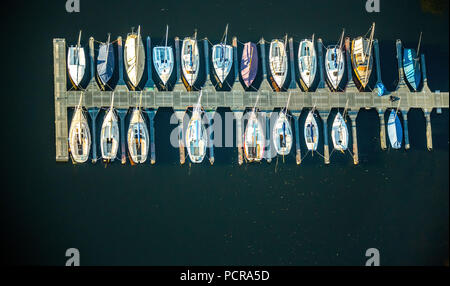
411, 66
395, 130
105, 63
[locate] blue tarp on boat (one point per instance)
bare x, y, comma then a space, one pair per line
411, 67
105, 63
381, 89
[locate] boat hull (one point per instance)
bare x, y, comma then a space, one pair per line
411, 68
278, 64
138, 138
76, 65
109, 136
163, 61
307, 63
190, 62
334, 67
339, 133
282, 135
196, 138
254, 140
105, 64
249, 63
395, 130
311, 132
222, 59
361, 63
134, 55
79, 137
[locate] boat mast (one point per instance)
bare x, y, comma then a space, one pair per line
165, 46
418, 46
370, 52
137, 53
223, 49
310, 59
340, 54
107, 51
78, 53
111, 110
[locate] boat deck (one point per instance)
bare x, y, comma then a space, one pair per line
238, 100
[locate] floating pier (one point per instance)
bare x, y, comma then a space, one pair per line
238, 100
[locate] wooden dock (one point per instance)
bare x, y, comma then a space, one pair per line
238, 100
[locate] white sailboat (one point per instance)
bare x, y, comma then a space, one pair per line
278, 62
339, 133
138, 136
109, 135
134, 56
307, 62
395, 130
196, 136
190, 60
222, 58
76, 63
254, 139
335, 64
311, 132
282, 132
79, 135
163, 60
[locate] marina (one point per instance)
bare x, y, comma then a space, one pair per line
238, 100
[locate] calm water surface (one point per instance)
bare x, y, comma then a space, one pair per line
270, 214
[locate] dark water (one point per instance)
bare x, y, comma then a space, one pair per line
269, 214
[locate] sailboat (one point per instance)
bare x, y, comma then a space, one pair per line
278, 62
395, 130
411, 66
109, 135
196, 136
249, 63
79, 135
138, 136
222, 58
307, 62
190, 60
311, 132
335, 64
163, 60
339, 133
105, 62
282, 133
254, 139
362, 58
76, 63
134, 56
